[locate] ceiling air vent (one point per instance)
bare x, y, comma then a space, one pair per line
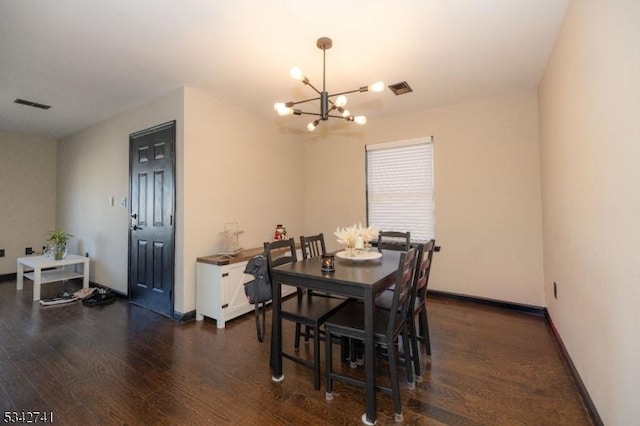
400, 88
31, 104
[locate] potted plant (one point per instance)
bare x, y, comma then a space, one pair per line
59, 239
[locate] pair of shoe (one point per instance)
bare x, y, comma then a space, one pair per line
100, 297
85, 292
59, 299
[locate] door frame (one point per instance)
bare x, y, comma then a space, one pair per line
172, 125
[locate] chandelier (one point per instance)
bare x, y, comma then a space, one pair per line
330, 104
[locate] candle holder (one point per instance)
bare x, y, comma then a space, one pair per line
328, 263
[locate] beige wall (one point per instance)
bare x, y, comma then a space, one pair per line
27, 195
230, 166
93, 165
487, 177
239, 168
590, 139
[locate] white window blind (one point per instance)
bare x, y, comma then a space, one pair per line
400, 187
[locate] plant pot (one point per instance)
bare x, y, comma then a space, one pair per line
59, 252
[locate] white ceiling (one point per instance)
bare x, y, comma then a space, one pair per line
93, 59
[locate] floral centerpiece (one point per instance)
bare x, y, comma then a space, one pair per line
356, 237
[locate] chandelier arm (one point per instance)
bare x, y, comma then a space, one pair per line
309, 113
313, 87
362, 89
339, 116
290, 104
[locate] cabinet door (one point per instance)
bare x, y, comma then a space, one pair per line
234, 289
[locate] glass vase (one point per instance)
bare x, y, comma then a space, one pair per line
59, 251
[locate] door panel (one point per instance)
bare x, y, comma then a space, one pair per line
152, 231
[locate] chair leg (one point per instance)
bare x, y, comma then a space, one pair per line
395, 385
424, 330
307, 332
408, 359
329, 366
415, 353
353, 356
296, 345
344, 349
316, 357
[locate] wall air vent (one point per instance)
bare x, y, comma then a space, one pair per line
400, 88
31, 104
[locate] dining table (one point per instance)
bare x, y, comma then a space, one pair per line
361, 279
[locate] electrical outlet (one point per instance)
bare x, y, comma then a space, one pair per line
28, 250
555, 290
1, 252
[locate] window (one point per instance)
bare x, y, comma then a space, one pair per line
400, 187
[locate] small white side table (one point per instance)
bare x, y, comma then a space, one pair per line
60, 273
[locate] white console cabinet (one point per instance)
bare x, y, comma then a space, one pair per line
220, 287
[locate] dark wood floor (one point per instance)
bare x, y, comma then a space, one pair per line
121, 364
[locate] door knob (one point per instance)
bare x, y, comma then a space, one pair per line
135, 227
134, 216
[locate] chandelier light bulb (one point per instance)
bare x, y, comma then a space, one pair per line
360, 119
283, 109
346, 113
312, 126
297, 74
278, 106
378, 86
341, 101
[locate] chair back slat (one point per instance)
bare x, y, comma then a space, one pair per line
422, 273
421, 276
394, 240
402, 290
312, 246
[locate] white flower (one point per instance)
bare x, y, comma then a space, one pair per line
346, 235
368, 234
349, 234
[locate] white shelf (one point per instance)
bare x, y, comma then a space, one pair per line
45, 269
54, 275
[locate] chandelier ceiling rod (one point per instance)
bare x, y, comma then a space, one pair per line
327, 105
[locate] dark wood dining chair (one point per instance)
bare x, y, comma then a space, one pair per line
303, 311
394, 240
312, 246
417, 304
388, 325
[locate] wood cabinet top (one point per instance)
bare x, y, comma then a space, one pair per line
221, 259
243, 256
